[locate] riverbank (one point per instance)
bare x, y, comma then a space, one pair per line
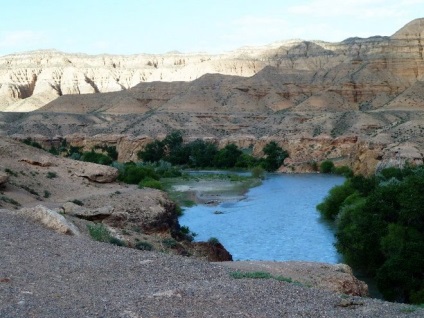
210, 187
45, 274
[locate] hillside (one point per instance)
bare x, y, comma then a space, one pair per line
358, 102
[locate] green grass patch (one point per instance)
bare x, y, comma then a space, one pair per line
252, 275
263, 275
99, 232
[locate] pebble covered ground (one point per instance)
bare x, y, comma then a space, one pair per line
45, 274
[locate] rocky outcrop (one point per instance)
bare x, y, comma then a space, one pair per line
212, 252
87, 214
49, 218
96, 173
151, 212
334, 277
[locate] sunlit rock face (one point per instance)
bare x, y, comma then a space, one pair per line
360, 72
358, 102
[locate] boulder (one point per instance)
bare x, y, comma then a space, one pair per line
97, 173
49, 218
87, 214
41, 161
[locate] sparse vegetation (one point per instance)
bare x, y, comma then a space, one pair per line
150, 183
253, 275
28, 141
99, 232
169, 242
30, 190
51, 175
262, 275
9, 200
144, 246
77, 202
11, 172
187, 233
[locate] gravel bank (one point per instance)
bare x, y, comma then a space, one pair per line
45, 274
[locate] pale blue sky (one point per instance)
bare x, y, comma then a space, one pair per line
159, 26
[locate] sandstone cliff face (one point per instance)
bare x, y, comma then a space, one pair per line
358, 70
357, 102
52, 74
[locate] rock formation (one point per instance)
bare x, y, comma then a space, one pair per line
49, 218
334, 277
357, 102
67, 196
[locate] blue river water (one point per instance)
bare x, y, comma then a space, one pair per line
277, 221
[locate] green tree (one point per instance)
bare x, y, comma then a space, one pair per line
91, 156
326, 166
173, 140
333, 202
380, 229
274, 156
228, 156
201, 153
153, 152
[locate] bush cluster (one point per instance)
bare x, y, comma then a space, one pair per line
380, 229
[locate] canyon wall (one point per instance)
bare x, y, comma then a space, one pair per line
358, 102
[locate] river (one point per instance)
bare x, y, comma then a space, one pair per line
276, 221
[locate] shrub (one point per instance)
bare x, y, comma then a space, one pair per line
150, 183
187, 233
170, 242
326, 166
344, 171
77, 202
99, 232
91, 156
46, 194
133, 174
11, 172
51, 175
144, 246
117, 241
213, 241
258, 172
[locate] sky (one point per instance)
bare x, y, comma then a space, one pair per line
214, 26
